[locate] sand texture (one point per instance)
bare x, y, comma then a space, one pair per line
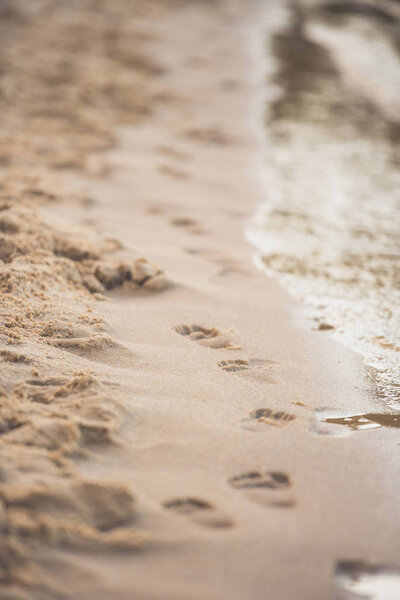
163, 424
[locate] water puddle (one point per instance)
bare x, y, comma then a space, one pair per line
367, 421
334, 424
357, 580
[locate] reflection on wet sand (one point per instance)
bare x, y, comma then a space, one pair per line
367, 421
358, 580
330, 423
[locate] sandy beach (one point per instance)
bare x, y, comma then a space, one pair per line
161, 395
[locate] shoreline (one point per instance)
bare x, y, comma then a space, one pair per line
329, 230
228, 502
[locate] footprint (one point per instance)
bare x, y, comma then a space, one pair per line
190, 225
199, 511
173, 172
234, 365
226, 271
197, 62
98, 348
230, 85
229, 266
257, 368
195, 251
268, 487
156, 209
183, 222
212, 338
260, 417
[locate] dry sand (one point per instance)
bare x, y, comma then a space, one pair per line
157, 413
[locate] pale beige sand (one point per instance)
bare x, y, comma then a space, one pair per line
135, 462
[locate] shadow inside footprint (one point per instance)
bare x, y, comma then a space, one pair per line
186, 224
260, 417
200, 511
212, 338
232, 366
258, 368
268, 487
357, 579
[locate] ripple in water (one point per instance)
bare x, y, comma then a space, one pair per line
331, 226
327, 422
367, 582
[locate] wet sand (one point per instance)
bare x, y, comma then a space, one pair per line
158, 391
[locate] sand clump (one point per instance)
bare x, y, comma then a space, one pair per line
39, 263
46, 424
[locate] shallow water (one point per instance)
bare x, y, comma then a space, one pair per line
361, 581
366, 421
330, 226
328, 422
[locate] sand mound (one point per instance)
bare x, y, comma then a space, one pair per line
58, 110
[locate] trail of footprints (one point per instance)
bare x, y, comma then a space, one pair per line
266, 487
269, 488
226, 340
